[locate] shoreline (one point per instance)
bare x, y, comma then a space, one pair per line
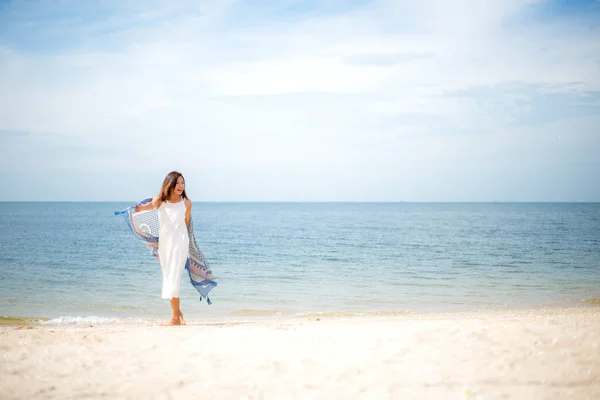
249, 315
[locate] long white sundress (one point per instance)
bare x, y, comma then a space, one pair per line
173, 246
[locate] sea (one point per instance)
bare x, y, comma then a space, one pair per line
78, 263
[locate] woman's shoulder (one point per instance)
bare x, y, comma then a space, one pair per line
156, 201
188, 202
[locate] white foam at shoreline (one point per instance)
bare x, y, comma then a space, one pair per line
91, 319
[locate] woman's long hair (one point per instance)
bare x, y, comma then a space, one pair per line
169, 185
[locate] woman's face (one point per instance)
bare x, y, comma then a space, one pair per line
180, 186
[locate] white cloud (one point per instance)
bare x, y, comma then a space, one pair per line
345, 96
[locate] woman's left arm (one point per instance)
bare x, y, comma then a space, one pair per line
188, 212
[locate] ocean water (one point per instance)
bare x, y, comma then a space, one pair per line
77, 262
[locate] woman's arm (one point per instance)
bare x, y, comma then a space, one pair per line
188, 212
148, 206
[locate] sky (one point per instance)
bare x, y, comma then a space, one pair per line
289, 100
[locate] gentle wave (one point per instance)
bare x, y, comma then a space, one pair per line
16, 320
92, 320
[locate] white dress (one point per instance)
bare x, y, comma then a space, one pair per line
173, 246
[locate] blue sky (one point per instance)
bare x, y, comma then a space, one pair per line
433, 100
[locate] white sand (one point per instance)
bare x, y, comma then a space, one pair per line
552, 354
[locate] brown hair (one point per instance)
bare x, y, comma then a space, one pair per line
169, 185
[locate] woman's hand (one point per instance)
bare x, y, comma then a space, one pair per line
148, 206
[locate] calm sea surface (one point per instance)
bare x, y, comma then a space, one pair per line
77, 262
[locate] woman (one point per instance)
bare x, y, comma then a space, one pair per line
174, 211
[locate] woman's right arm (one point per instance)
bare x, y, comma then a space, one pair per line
148, 206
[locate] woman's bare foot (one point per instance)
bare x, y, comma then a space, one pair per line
181, 320
171, 322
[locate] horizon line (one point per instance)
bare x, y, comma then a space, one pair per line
330, 201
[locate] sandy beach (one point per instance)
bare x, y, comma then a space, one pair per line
521, 354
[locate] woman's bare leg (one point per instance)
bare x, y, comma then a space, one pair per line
177, 317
